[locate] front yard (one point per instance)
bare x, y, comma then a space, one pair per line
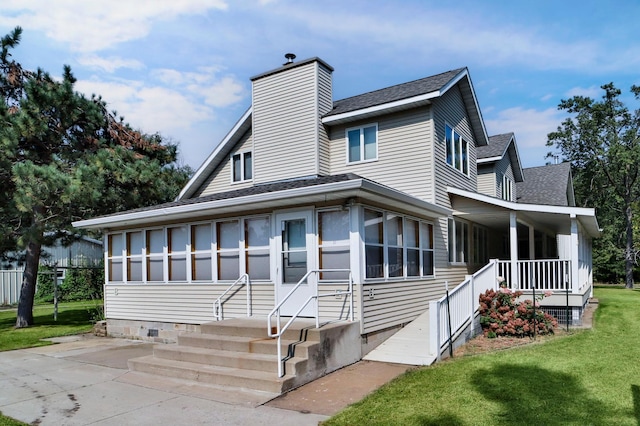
580, 378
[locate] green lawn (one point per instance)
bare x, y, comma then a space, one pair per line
73, 318
586, 378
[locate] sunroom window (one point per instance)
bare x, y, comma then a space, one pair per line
228, 255
405, 251
114, 257
458, 241
362, 143
201, 266
134, 256
177, 242
256, 242
333, 243
155, 255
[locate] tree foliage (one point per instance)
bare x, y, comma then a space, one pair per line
64, 157
601, 139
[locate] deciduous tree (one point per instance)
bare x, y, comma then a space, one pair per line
601, 139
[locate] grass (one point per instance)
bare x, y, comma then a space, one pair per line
8, 421
73, 318
589, 377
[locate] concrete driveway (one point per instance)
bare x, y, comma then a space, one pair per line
84, 380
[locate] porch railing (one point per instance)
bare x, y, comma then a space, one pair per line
460, 307
550, 274
217, 304
275, 312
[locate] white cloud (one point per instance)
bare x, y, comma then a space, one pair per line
530, 126
91, 26
225, 92
110, 64
593, 92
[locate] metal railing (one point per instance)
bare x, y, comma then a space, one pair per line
217, 304
448, 316
547, 274
281, 329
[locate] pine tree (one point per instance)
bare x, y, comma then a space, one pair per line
64, 157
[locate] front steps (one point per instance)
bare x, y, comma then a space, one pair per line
237, 354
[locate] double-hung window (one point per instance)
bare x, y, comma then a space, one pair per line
177, 243
256, 246
228, 256
154, 254
362, 143
134, 256
241, 167
458, 241
333, 243
457, 150
397, 246
201, 266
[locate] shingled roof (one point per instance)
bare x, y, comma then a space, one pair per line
394, 93
547, 185
496, 147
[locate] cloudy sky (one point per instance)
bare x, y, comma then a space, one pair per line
182, 68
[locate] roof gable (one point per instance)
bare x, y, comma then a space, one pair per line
548, 185
497, 148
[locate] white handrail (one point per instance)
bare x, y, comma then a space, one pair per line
280, 330
217, 304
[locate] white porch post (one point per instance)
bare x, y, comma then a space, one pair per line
575, 260
513, 245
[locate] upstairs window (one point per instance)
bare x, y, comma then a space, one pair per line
362, 144
242, 167
457, 150
507, 188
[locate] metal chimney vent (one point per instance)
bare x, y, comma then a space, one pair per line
290, 57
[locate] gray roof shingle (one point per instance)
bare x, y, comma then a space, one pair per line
545, 185
496, 147
394, 93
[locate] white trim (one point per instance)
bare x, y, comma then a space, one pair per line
242, 155
488, 160
210, 163
381, 109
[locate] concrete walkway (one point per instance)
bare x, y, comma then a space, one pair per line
85, 381
410, 345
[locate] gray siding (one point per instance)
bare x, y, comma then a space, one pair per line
503, 168
450, 109
405, 153
220, 178
286, 124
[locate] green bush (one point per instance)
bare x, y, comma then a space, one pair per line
78, 284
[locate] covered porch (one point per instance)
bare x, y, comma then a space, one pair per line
538, 247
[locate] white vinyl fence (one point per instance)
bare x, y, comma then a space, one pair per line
10, 282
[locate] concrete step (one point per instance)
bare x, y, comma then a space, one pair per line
223, 358
213, 374
301, 329
243, 344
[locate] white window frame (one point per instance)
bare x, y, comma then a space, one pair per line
507, 188
110, 257
192, 252
148, 256
362, 151
423, 247
246, 249
451, 145
243, 171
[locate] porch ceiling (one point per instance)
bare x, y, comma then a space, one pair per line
494, 213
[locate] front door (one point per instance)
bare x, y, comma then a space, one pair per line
294, 239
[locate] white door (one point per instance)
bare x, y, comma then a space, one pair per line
295, 240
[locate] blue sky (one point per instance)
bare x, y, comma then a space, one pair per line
182, 68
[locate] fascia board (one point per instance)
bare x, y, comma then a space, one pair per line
379, 109
488, 160
212, 161
510, 205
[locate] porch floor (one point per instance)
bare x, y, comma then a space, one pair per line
409, 346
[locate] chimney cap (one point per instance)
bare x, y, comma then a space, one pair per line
290, 57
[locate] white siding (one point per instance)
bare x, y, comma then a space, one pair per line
325, 104
503, 168
487, 181
220, 178
286, 119
404, 153
182, 303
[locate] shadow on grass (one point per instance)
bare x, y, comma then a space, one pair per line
533, 395
74, 316
635, 391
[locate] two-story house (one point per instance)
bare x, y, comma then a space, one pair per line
375, 203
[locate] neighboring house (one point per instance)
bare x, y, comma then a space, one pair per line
83, 252
402, 187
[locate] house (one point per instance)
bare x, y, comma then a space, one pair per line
83, 252
375, 204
